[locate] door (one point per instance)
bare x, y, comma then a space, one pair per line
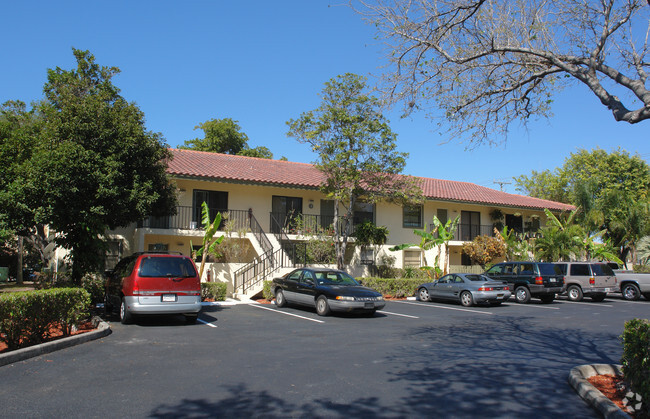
470, 225
285, 211
515, 222
217, 201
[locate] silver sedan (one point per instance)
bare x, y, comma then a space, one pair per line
468, 289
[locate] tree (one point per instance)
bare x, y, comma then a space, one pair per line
611, 190
516, 245
368, 234
484, 249
487, 64
356, 152
561, 240
225, 136
92, 166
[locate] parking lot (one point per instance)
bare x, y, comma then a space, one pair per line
412, 359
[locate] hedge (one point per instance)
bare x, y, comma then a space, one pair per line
214, 290
636, 361
398, 288
26, 317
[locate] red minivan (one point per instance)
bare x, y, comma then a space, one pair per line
154, 283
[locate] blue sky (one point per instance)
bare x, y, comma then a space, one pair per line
263, 63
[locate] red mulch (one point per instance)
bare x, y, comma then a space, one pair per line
57, 333
611, 386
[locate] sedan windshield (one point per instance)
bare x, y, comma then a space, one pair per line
335, 278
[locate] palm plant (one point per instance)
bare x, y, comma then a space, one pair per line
210, 242
559, 241
439, 237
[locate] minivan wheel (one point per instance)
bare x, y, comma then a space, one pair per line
522, 295
631, 292
322, 306
125, 315
574, 293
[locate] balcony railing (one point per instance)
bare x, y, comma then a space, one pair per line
468, 232
189, 218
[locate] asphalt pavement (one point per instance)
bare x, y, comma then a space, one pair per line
412, 359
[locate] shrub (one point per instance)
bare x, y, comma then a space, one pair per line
636, 361
267, 293
26, 317
214, 290
642, 269
399, 288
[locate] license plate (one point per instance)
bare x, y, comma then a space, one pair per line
499, 296
168, 298
553, 280
369, 305
608, 290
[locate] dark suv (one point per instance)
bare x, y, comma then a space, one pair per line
529, 279
154, 283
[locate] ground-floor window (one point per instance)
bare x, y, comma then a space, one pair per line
412, 258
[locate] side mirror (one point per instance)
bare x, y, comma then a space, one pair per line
309, 281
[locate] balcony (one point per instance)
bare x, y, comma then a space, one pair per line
468, 232
189, 218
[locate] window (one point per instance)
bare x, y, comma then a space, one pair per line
442, 215
470, 225
367, 255
526, 269
363, 212
412, 216
580, 270
412, 258
217, 202
158, 247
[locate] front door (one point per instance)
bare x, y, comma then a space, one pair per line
285, 211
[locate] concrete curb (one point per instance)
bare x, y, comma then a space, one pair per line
103, 329
578, 380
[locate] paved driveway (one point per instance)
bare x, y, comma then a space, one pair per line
412, 359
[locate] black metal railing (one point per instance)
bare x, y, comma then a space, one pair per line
251, 275
468, 232
189, 218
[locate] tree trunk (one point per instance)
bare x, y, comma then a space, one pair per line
19, 267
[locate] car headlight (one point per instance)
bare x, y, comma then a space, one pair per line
344, 298
380, 298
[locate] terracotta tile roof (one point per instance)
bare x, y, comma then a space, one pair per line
213, 166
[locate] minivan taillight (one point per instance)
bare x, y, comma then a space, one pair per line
539, 280
136, 289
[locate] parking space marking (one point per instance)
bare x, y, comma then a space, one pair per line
589, 304
256, 305
445, 307
206, 323
398, 314
533, 305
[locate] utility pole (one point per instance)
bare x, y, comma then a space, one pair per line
501, 183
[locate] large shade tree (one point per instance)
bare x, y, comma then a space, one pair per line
91, 166
485, 64
225, 136
610, 189
356, 150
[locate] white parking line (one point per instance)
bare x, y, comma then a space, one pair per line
397, 314
256, 305
445, 307
534, 305
206, 323
594, 304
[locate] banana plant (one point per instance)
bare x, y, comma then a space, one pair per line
439, 236
210, 242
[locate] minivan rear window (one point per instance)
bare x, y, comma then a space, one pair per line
167, 266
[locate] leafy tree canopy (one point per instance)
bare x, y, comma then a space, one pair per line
487, 64
85, 162
225, 136
356, 151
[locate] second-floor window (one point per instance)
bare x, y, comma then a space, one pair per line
217, 202
363, 212
412, 216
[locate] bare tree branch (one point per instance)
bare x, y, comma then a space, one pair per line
484, 64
